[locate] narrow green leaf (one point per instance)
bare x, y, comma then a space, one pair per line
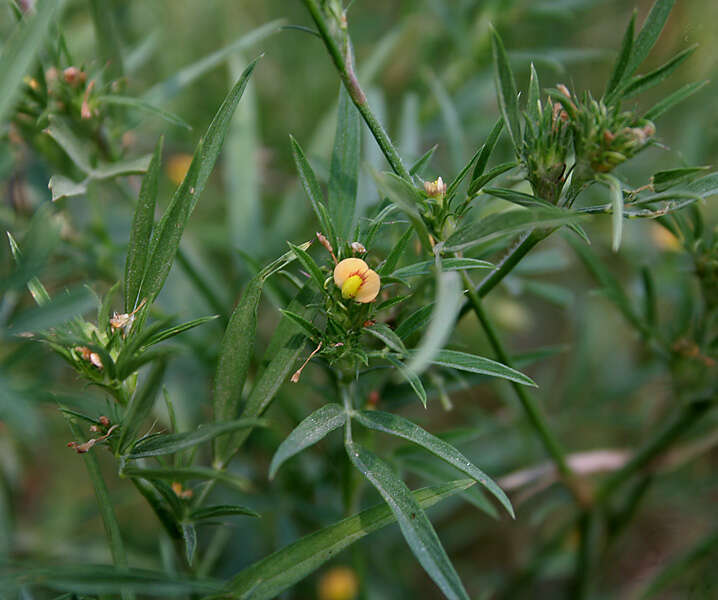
312, 429
407, 198
533, 104
189, 536
383, 333
344, 170
235, 357
624, 55
309, 328
652, 27
166, 334
396, 253
21, 48
454, 185
103, 579
312, 189
486, 151
448, 264
141, 231
415, 321
403, 428
140, 405
492, 174
168, 443
141, 105
310, 265
166, 236
640, 84
272, 575
221, 510
423, 160
478, 364
516, 197
107, 37
507, 222
281, 358
413, 522
673, 99
411, 377
664, 180
506, 90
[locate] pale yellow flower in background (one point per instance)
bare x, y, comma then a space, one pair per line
339, 583
177, 167
356, 280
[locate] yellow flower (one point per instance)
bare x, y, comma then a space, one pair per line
177, 167
339, 583
356, 280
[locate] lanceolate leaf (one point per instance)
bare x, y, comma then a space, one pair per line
671, 100
413, 522
486, 151
624, 55
344, 169
222, 510
401, 427
165, 334
141, 105
312, 429
479, 364
313, 190
412, 378
141, 404
235, 356
141, 231
169, 443
396, 253
21, 48
640, 84
652, 27
270, 576
385, 334
506, 89
448, 264
503, 223
166, 238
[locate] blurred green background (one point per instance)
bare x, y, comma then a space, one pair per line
426, 64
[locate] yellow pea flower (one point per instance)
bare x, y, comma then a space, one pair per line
356, 280
339, 583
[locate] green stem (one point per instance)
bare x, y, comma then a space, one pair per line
344, 63
531, 409
109, 519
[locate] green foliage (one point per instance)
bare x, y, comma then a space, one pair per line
379, 308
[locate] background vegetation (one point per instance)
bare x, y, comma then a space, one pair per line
427, 69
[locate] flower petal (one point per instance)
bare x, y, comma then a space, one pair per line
348, 267
370, 288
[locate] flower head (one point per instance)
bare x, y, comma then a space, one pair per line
356, 280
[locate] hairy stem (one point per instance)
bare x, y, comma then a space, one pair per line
344, 63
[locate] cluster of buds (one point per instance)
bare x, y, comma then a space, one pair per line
547, 141
605, 137
103, 425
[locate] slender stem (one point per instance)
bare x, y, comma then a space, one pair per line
109, 519
585, 556
531, 409
344, 63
